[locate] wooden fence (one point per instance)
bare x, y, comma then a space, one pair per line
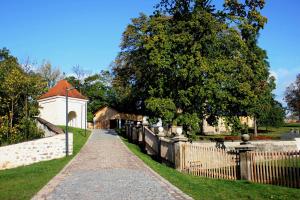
209, 161
277, 168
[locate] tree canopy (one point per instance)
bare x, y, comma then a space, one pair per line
292, 96
19, 90
273, 114
194, 61
50, 74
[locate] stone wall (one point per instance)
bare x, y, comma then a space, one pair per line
26, 153
48, 128
167, 150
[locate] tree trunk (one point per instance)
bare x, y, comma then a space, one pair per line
255, 127
11, 114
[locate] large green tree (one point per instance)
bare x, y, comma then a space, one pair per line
292, 96
273, 115
19, 90
204, 61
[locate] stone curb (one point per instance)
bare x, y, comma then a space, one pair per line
50, 186
163, 180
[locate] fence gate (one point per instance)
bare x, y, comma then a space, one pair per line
209, 161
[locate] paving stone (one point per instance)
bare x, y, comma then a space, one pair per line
106, 169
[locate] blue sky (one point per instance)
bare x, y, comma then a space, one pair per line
88, 33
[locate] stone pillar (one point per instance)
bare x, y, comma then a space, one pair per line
245, 172
126, 129
178, 154
130, 132
160, 135
139, 133
178, 141
135, 136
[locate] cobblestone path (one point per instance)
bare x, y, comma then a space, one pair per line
106, 169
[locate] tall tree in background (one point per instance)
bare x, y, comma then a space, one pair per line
273, 115
204, 61
19, 90
292, 96
50, 74
80, 74
247, 18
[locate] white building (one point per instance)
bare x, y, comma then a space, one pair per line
53, 106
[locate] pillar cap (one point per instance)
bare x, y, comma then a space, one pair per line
180, 138
245, 147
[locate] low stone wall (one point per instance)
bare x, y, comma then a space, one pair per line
26, 153
151, 142
264, 145
167, 151
48, 128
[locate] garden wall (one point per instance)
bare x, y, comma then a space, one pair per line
26, 153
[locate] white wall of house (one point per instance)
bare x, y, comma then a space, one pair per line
53, 109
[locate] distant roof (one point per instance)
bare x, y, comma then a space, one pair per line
60, 90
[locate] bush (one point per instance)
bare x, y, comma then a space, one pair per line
26, 130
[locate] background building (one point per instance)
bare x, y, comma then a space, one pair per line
53, 106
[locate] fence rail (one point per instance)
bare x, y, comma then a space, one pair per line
209, 162
277, 168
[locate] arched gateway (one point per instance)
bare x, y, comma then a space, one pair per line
53, 106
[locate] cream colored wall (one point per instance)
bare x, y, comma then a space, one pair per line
218, 129
221, 128
248, 121
102, 117
53, 110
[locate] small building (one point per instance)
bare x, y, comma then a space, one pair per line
109, 118
53, 106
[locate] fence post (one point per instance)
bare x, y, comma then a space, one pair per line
160, 135
143, 144
245, 162
126, 129
178, 140
130, 131
134, 137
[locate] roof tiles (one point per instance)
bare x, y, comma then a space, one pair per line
60, 90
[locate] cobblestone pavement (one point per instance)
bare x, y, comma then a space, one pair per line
106, 169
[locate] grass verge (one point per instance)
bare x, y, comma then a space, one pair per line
24, 182
205, 188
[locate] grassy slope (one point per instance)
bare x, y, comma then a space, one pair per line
24, 182
205, 188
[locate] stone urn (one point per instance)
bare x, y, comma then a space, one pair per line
161, 132
245, 138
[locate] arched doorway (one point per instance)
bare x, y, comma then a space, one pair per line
72, 119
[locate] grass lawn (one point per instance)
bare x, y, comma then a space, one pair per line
272, 132
24, 182
205, 188
277, 132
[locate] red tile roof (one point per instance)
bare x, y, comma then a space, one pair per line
60, 90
